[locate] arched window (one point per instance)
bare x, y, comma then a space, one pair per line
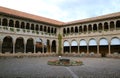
37, 27
105, 26
17, 24
55, 30
22, 25
41, 28
27, 26
89, 27
83, 42
92, 42
64, 31
32, 26
5, 22
66, 43
95, 27
100, 26
118, 24
80, 28
103, 41
85, 28
115, 41
68, 30
112, 25
44, 28
72, 30
11, 23
76, 29
48, 29
52, 30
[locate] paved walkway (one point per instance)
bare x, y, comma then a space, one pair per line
37, 68
72, 73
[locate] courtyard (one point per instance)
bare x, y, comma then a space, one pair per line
37, 67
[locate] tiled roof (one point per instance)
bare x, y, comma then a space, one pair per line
29, 16
108, 16
52, 21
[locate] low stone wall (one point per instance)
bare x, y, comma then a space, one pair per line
54, 54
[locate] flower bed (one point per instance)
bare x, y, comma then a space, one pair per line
65, 62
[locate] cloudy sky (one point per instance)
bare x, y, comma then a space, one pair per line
64, 10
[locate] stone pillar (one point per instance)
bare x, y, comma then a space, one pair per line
78, 48
109, 49
34, 47
98, 49
87, 49
70, 49
43, 48
0, 46
25, 46
13, 47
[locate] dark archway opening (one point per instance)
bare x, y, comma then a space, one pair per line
30, 46
103, 49
19, 45
7, 45
54, 46
83, 49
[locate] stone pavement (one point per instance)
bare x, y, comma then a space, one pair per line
36, 67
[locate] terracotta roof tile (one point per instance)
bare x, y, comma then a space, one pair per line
52, 21
29, 16
112, 15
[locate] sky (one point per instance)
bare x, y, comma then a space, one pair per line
64, 10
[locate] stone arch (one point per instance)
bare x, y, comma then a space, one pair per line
89, 27
28, 26
76, 29
118, 24
4, 22
64, 31
17, 24
52, 30
72, 30
22, 25
95, 27
39, 45
68, 30
103, 47
54, 46
92, 45
11, 23
45, 28
74, 46
112, 26
85, 28
100, 27
41, 28
19, 45
55, 30
106, 26
48, 29
66, 46
83, 46
7, 45
115, 45
37, 27
32, 26
30, 45
80, 28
